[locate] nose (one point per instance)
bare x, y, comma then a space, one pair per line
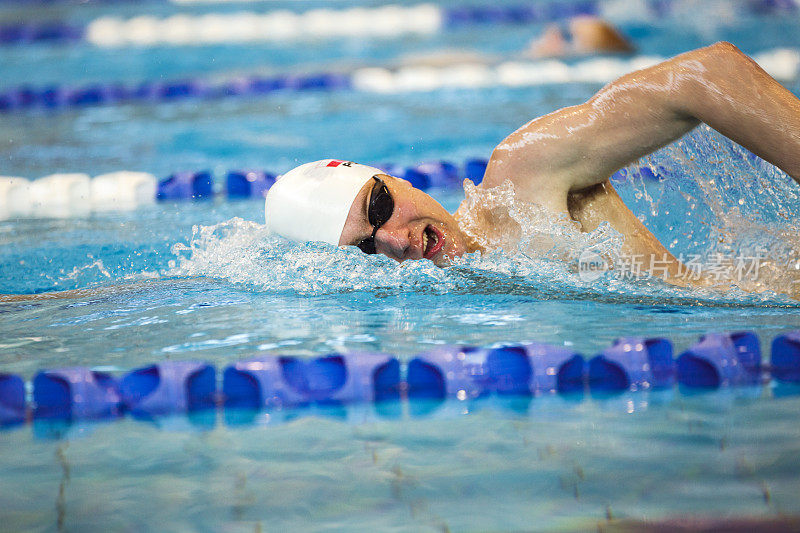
393, 241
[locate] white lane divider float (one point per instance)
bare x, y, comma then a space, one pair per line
15, 197
122, 190
509, 73
66, 195
60, 195
781, 63
276, 26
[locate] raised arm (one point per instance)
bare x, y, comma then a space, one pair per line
580, 146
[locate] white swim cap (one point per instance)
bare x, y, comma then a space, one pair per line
312, 201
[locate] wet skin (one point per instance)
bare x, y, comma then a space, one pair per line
419, 228
563, 161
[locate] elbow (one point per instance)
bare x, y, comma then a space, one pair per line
726, 51
727, 60
725, 48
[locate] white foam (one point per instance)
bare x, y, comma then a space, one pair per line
188, 2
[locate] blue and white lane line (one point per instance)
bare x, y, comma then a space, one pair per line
384, 22
74, 195
783, 64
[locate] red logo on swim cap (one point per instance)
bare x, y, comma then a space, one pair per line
336, 163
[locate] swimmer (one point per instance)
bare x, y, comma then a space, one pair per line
562, 162
581, 35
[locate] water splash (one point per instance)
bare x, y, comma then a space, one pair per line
526, 228
243, 252
706, 204
718, 200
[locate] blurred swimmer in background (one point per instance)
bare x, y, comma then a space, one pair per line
581, 35
578, 36
560, 163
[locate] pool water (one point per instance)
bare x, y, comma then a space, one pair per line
202, 280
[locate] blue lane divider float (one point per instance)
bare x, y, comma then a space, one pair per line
455, 372
186, 185
78, 194
215, 28
721, 360
633, 363
781, 63
556, 368
55, 31
75, 393
470, 373
248, 183
288, 381
169, 387
439, 173
12, 400
785, 357
255, 183
56, 97
518, 14
123, 190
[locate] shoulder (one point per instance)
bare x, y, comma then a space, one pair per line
531, 184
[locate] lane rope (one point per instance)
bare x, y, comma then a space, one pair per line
782, 63
455, 373
384, 22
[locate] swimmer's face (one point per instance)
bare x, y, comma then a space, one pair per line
418, 228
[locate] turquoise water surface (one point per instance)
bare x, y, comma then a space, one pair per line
203, 280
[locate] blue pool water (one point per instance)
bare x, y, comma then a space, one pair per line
202, 280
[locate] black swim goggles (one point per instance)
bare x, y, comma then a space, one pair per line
381, 206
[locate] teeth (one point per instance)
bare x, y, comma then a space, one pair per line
429, 240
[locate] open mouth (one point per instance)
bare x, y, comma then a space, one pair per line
432, 242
